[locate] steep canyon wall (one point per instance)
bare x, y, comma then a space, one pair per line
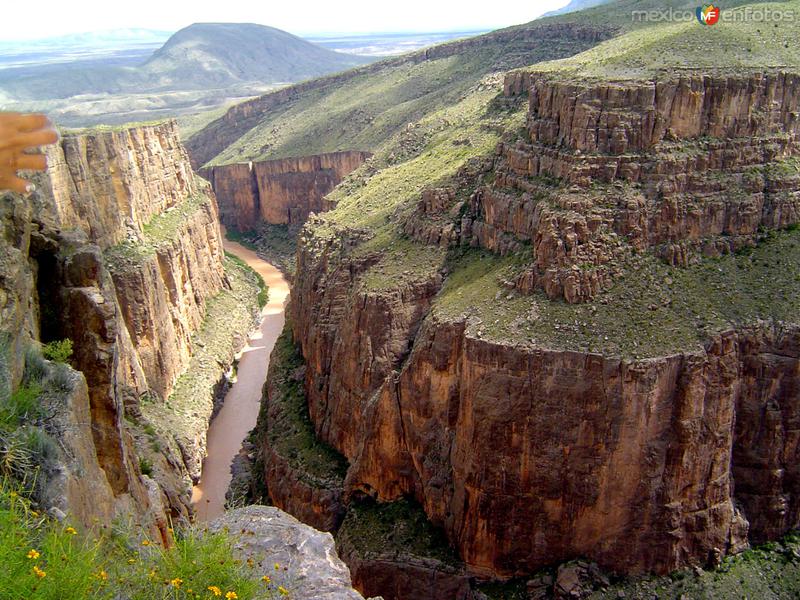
120, 253
527, 455
280, 192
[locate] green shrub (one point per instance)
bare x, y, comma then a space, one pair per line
35, 366
58, 351
146, 466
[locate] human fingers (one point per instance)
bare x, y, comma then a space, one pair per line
25, 122
32, 139
29, 162
12, 183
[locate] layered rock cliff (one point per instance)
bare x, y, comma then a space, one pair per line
644, 423
121, 254
49, 275
698, 165
282, 191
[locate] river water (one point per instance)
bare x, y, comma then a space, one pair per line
240, 410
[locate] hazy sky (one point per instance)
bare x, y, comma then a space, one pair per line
57, 17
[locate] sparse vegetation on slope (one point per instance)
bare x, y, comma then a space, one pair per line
46, 559
229, 317
364, 110
653, 47
289, 429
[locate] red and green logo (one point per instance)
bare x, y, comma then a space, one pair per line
708, 14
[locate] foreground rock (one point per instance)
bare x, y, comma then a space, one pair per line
268, 535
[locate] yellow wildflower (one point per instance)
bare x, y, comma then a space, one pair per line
277, 567
34, 514
251, 563
145, 542
70, 531
176, 583
231, 596
33, 554
131, 561
38, 572
153, 574
283, 591
266, 579
102, 575
215, 590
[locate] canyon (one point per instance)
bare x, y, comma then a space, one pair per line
543, 333
279, 192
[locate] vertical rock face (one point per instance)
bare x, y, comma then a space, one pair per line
111, 185
110, 182
527, 455
120, 254
97, 459
163, 297
282, 191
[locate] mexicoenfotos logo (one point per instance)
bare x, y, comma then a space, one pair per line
708, 14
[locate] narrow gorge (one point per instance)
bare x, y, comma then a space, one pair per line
542, 340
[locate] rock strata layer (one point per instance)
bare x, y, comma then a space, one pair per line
279, 192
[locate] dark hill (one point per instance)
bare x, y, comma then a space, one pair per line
221, 53
202, 56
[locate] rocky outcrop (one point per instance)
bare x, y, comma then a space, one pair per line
526, 455
120, 254
350, 341
628, 462
162, 296
53, 276
309, 568
685, 167
111, 183
282, 191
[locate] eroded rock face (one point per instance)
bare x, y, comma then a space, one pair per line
268, 535
683, 167
130, 320
282, 191
111, 182
528, 456
110, 185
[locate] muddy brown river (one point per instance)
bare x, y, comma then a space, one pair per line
240, 410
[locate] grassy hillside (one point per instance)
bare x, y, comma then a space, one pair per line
668, 309
363, 109
653, 47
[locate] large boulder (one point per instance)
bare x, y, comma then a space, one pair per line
267, 535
